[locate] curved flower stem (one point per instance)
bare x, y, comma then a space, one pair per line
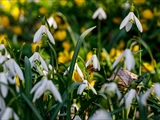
99, 37
111, 107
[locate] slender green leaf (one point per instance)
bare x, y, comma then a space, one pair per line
32, 107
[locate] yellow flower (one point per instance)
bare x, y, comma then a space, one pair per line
135, 48
103, 55
147, 14
116, 20
138, 1
3, 40
155, 12
17, 81
144, 24
71, 55
6, 5
63, 57
121, 45
36, 46
5, 21
76, 77
60, 35
63, 2
91, 81
158, 22
15, 12
79, 2
89, 55
66, 45
42, 10
17, 30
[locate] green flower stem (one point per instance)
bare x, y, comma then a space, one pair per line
140, 59
111, 107
128, 111
134, 113
99, 36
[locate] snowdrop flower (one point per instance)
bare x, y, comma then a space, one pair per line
2, 106
111, 89
77, 69
77, 118
156, 89
36, 56
3, 88
101, 114
51, 22
128, 98
100, 13
129, 59
38, 34
2, 47
8, 114
126, 5
144, 97
129, 20
13, 70
95, 62
84, 85
44, 85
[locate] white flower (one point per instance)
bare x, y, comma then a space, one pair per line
84, 85
100, 13
38, 34
2, 47
13, 70
2, 106
156, 89
144, 97
8, 114
129, 59
77, 118
111, 88
101, 114
126, 5
128, 98
129, 20
44, 85
51, 22
95, 62
3, 88
36, 56
77, 69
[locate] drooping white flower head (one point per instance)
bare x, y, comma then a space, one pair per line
95, 62
77, 69
101, 114
156, 89
13, 70
84, 85
3, 88
129, 59
2, 106
8, 114
144, 97
111, 88
41, 30
2, 47
129, 20
77, 118
37, 56
51, 22
44, 85
100, 13
128, 98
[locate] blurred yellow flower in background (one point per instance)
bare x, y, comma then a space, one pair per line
117, 20
148, 66
60, 35
4, 20
3, 40
36, 46
91, 80
144, 24
6, 5
156, 12
15, 12
42, 10
63, 57
89, 55
66, 45
147, 13
17, 30
138, 1
135, 48
114, 53
121, 45
63, 2
79, 2
71, 55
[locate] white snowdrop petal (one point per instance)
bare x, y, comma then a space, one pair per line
125, 21
38, 35
156, 89
50, 36
128, 26
79, 71
18, 71
139, 26
88, 62
54, 91
144, 97
94, 16
43, 63
131, 95
4, 88
66, 72
92, 88
2, 106
77, 118
96, 63
117, 60
36, 86
81, 88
